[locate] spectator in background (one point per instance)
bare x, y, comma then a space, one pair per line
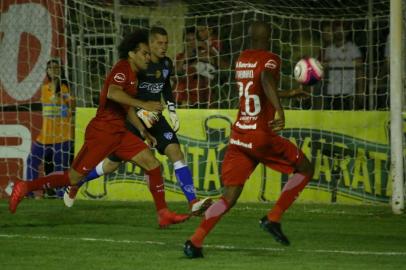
326, 39
214, 48
213, 51
193, 73
209, 36
54, 144
345, 81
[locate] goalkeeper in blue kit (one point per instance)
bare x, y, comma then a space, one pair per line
152, 85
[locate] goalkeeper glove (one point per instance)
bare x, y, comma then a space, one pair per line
149, 118
173, 116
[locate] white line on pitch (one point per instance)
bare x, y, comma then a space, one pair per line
378, 253
87, 239
317, 211
42, 237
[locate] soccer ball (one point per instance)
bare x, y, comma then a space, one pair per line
308, 71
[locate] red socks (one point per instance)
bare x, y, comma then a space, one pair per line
215, 212
156, 187
289, 194
212, 215
53, 180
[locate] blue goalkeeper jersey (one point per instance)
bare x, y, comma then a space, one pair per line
155, 81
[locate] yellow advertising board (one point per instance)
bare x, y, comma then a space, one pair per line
349, 150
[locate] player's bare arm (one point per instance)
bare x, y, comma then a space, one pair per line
117, 94
294, 93
270, 89
135, 121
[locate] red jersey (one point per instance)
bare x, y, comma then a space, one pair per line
110, 111
255, 109
251, 140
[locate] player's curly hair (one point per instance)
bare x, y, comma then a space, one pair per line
131, 42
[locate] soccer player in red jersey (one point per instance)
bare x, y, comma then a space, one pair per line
254, 140
107, 134
154, 83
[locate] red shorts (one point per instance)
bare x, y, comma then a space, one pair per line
246, 150
101, 141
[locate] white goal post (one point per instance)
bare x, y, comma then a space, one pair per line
397, 66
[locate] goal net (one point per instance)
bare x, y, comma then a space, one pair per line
343, 127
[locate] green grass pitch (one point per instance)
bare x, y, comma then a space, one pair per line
43, 234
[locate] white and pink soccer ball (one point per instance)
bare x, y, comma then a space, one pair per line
308, 71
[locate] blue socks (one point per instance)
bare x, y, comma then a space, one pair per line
185, 180
95, 173
182, 173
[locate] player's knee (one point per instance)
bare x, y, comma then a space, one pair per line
151, 163
176, 157
305, 167
146, 160
174, 153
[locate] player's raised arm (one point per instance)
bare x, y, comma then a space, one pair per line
294, 93
271, 91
